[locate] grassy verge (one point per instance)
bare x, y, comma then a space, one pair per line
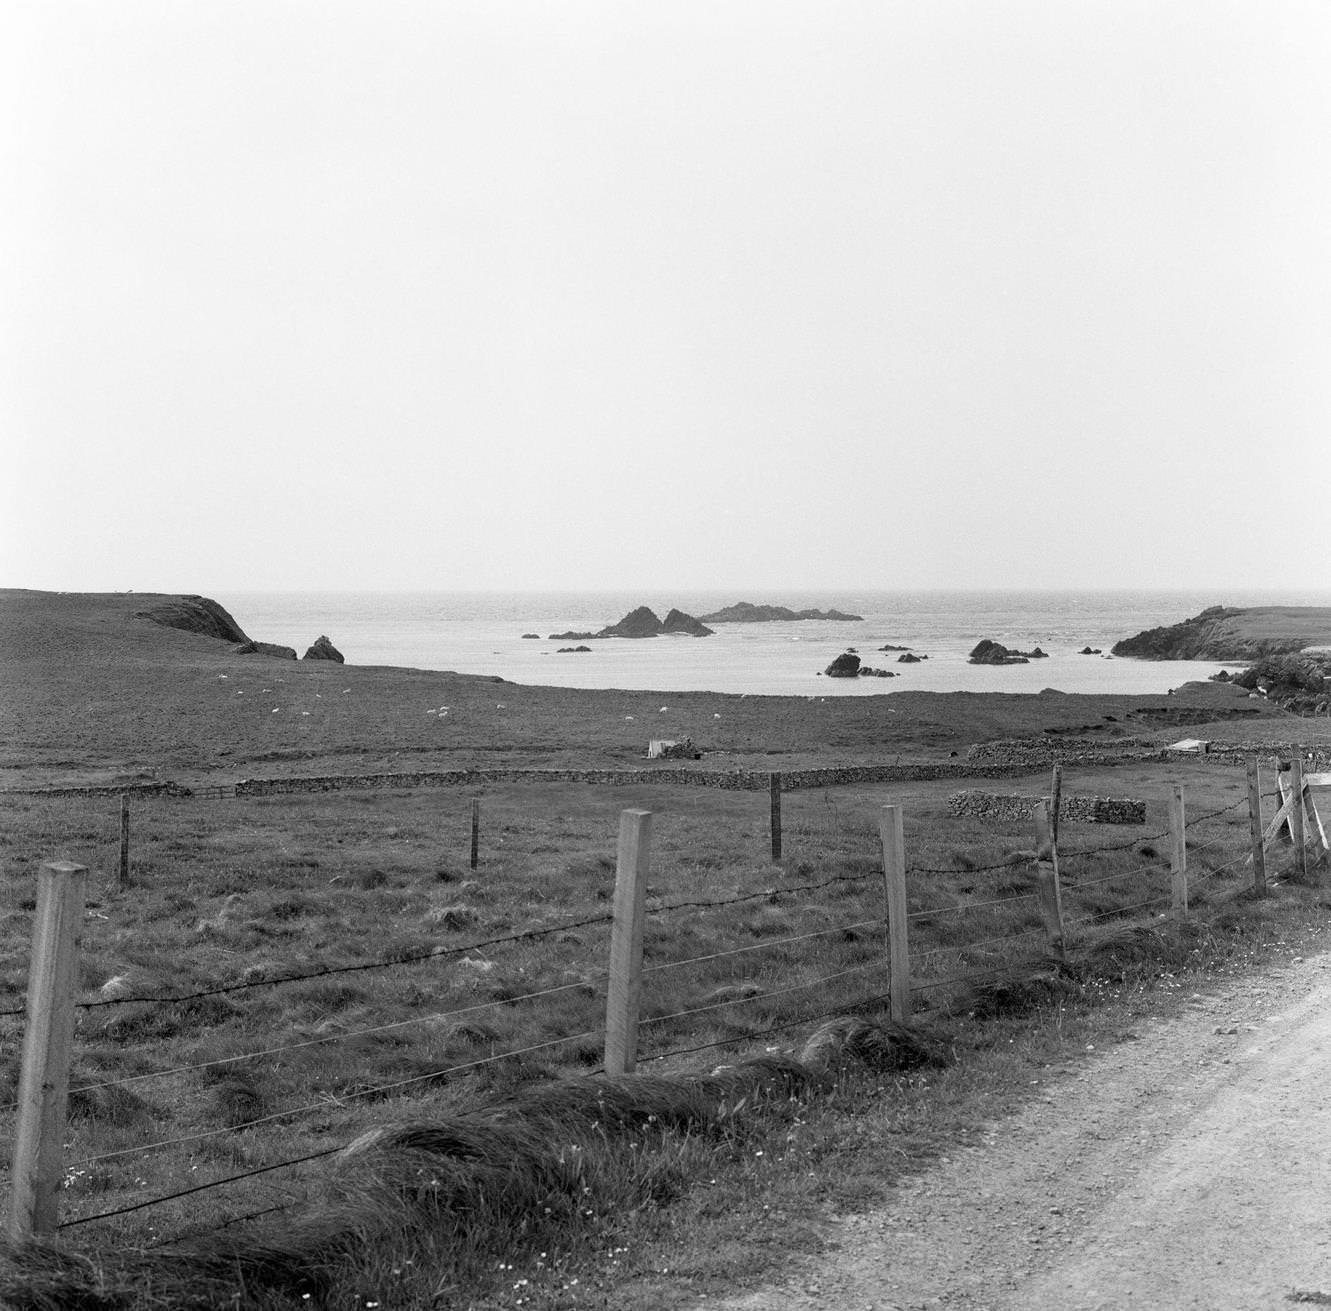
762, 1198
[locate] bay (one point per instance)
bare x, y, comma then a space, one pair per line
482, 633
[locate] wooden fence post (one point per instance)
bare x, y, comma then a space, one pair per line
892, 832
1297, 830
1047, 883
1255, 828
47, 1038
624, 992
475, 830
1178, 852
1055, 802
123, 879
774, 781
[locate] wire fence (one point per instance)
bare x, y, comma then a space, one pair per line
824, 959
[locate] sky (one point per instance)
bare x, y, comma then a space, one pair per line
313, 294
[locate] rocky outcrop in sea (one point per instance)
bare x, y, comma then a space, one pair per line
743, 612
988, 652
643, 622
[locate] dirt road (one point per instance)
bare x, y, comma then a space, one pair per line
1187, 1167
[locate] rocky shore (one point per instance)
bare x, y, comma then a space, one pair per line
1226, 633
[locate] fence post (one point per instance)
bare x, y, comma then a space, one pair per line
1047, 883
47, 1038
1255, 828
1297, 831
1178, 852
1055, 801
892, 832
123, 879
475, 830
774, 781
624, 991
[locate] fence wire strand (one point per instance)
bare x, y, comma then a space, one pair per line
971, 905
433, 1017
335, 1100
762, 946
200, 1188
862, 1003
979, 945
761, 996
759, 895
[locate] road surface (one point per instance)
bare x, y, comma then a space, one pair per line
1187, 1167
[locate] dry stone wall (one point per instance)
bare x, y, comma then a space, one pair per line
167, 789
737, 780
1036, 753
1004, 759
1236, 753
1073, 809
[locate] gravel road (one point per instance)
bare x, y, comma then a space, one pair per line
1189, 1166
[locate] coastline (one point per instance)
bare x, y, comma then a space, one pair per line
100, 696
481, 633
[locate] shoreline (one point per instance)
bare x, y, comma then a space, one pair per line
98, 696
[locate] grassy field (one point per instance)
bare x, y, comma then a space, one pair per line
346, 971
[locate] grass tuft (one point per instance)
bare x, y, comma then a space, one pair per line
1021, 994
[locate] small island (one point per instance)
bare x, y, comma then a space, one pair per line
847, 665
989, 652
642, 622
743, 612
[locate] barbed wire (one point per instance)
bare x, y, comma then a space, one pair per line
756, 896
435, 953
1201, 819
439, 953
1102, 851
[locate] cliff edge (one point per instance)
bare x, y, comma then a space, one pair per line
195, 614
1228, 633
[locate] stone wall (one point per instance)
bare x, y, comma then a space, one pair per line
1038, 753
167, 789
1003, 759
1042, 753
1316, 759
1071, 809
737, 780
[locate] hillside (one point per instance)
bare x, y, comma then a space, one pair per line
1226, 633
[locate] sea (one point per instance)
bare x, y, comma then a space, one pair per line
477, 632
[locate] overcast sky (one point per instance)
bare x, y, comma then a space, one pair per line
604, 294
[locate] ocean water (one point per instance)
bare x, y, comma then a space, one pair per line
481, 633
